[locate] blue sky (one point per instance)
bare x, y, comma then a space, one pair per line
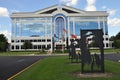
9, 6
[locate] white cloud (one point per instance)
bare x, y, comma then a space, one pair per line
104, 7
7, 34
4, 12
15, 11
114, 22
0, 26
112, 12
69, 2
90, 5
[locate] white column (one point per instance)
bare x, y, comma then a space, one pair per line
68, 31
45, 26
15, 29
15, 35
104, 32
21, 29
73, 26
20, 34
104, 25
51, 33
98, 22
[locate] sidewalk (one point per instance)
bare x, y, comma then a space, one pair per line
52, 54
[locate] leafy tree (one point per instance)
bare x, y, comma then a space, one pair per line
27, 45
3, 43
112, 38
117, 36
117, 41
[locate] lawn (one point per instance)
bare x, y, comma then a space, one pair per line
19, 53
60, 68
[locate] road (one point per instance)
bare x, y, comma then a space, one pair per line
10, 65
113, 57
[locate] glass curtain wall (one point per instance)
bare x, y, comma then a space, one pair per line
78, 23
32, 27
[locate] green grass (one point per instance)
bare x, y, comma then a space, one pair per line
111, 50
60, 68
107, 50
19, 53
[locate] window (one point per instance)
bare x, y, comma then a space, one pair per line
35, 40
106, 44
12, 47
22, 47
48, 40
35, 46
106, 39
22, 41
39, 46
17, 46
31, 40
48, 46
43, 40
89, 39
17, 41
60, 25
12, 41
84, 25
39, 40
43, 46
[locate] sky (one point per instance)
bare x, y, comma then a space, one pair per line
7, 7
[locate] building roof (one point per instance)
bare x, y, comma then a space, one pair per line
53, 10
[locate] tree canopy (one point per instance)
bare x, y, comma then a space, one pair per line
116, 40
3, 43
27, 45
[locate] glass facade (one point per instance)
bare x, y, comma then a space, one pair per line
35, 29
41, 27
78, 23
82, 25
32, 27
60, 25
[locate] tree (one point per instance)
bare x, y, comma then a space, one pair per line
3, 43
117, 36
117, 41
27, 45
112, 38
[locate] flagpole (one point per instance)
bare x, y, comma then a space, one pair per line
62, 43
64, 32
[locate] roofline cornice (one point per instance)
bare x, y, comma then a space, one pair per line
59, 10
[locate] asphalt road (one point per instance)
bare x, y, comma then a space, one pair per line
10, 65
113, 57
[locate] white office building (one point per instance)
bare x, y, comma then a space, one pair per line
47, 27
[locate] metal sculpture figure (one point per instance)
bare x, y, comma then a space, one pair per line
72, 52
86, 56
